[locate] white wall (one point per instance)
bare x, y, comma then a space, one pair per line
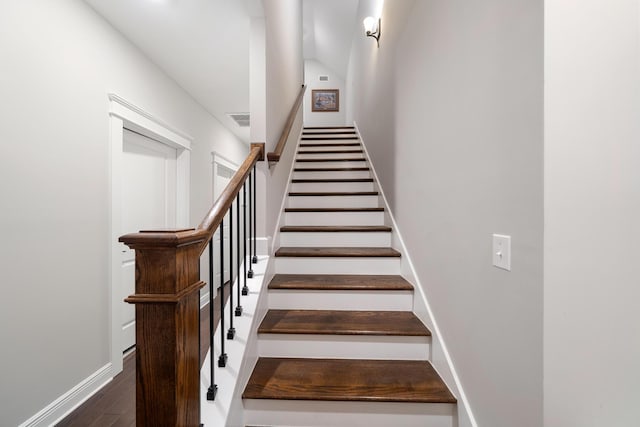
257, 77
592, 207
312, 72
451, 110
284, 65
59, 61
284, 79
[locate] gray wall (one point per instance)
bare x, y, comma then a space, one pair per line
451, 110
59, 61
592, 208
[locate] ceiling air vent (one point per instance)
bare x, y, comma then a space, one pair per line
324, 78
242, 119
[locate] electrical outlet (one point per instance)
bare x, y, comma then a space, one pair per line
502, 251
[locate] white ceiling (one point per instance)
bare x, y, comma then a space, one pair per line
204, 44
328, 28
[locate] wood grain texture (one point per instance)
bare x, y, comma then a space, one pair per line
347, 380
323, 144
360, 159
330, 180
115, 404
343, 322
330, 169
332, 193
335, 229
334, 209
340, 282
336, 252
330, 152
333, 137
328, 127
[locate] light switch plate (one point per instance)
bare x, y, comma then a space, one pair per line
502, 251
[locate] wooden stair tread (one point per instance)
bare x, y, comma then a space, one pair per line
340, 282
342, 322
359, 159
335, 180
330, 152
336, 252
328, 127
332, 193
327, 137
335, 229
331, 169
334, 209
347, 380
324, 144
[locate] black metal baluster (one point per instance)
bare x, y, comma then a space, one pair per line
238, 277
245, 289
222, 360
231, 333
213, 388
255, 253
250, 273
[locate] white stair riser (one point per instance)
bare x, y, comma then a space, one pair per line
332, 186
321, 265
329, 239
344, 346
331, 175
347, 414
334, 218
333, 201
354, 164
292, 299
336, 147
329, 155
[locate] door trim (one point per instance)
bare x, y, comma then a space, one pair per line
123, 114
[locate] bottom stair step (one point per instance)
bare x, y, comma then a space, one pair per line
347, 380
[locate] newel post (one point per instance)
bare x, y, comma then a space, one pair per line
167, 303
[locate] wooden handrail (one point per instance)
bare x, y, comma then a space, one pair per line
167, 299
274, 156
212, 220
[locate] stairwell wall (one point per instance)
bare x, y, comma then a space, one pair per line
451, 109
59, 62
284, 79
592, 206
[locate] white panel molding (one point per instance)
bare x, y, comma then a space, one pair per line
124, 114
145, 122
65, 404
421, 303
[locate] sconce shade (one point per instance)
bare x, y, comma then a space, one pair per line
370, 25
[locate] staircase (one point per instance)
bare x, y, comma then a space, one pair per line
340, 345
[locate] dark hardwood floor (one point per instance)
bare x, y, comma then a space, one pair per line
115, 404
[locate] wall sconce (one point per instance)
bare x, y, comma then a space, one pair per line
372, 28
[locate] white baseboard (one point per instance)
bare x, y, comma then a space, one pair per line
262, 246
65, 404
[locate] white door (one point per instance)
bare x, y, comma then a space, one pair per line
148, 202
222, 174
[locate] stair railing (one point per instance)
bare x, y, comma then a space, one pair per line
274, 156
167, 301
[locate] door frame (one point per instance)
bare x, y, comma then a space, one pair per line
216, 160
123, 114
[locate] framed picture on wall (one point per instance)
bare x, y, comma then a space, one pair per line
327, 100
